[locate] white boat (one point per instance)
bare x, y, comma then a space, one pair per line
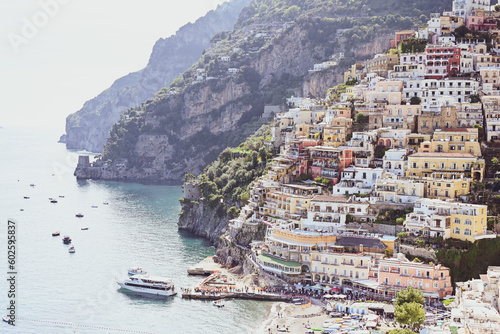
218, 303
71, 249
154, 285
136, 271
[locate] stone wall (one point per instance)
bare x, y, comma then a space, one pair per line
421, 253
377, 228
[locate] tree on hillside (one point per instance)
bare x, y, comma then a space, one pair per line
361, 118
409, 308
291, 12
415, 100
409, 295
411, 314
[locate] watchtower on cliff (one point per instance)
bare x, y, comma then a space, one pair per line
192, 191
83, 161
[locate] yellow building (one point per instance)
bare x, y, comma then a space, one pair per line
413, 140
459, 140
284, 205
437, 218
336, 133
447, 188
468, 221
445, 165
450, 23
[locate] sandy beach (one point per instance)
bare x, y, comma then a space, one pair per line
292, 317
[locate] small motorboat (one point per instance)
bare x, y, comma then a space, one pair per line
218, 303
136, 271
71, 249
105, 203
55, 234
84, 228
66, 239
94, 206
32, 185
26, 197
79, 215
53, 201
21, 209
61, 196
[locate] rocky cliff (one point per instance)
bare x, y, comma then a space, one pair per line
212, 104
89, 127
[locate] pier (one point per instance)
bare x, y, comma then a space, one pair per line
237, 295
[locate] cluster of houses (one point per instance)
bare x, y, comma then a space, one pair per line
418, 152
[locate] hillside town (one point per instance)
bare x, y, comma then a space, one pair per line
367, 183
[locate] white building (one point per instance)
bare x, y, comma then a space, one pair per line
328, 213
392, 189
394, 161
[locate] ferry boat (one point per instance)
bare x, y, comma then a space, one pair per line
136, 271
154, 285
66, 239
71, 249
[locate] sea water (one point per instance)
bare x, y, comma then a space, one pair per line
59, 292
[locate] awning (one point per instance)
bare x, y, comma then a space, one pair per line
270, 259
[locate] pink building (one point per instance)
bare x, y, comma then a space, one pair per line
393, 275
478, 21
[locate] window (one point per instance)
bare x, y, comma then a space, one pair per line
435, 285
457, 221
456, 230
467, 232
468, 222
398, 282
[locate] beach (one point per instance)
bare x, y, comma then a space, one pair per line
292, 318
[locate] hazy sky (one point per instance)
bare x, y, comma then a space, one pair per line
57, 54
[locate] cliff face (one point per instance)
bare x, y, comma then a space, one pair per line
203, 220
89, 127
212, 104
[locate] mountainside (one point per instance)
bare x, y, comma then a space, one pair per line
89, 127
218, 101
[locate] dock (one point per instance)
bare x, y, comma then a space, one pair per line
206, 267
238, 295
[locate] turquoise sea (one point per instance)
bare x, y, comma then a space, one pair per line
58, 292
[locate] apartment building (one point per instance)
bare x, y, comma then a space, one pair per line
438, 218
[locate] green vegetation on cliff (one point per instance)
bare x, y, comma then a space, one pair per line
225, 183
468, 260
123, 137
